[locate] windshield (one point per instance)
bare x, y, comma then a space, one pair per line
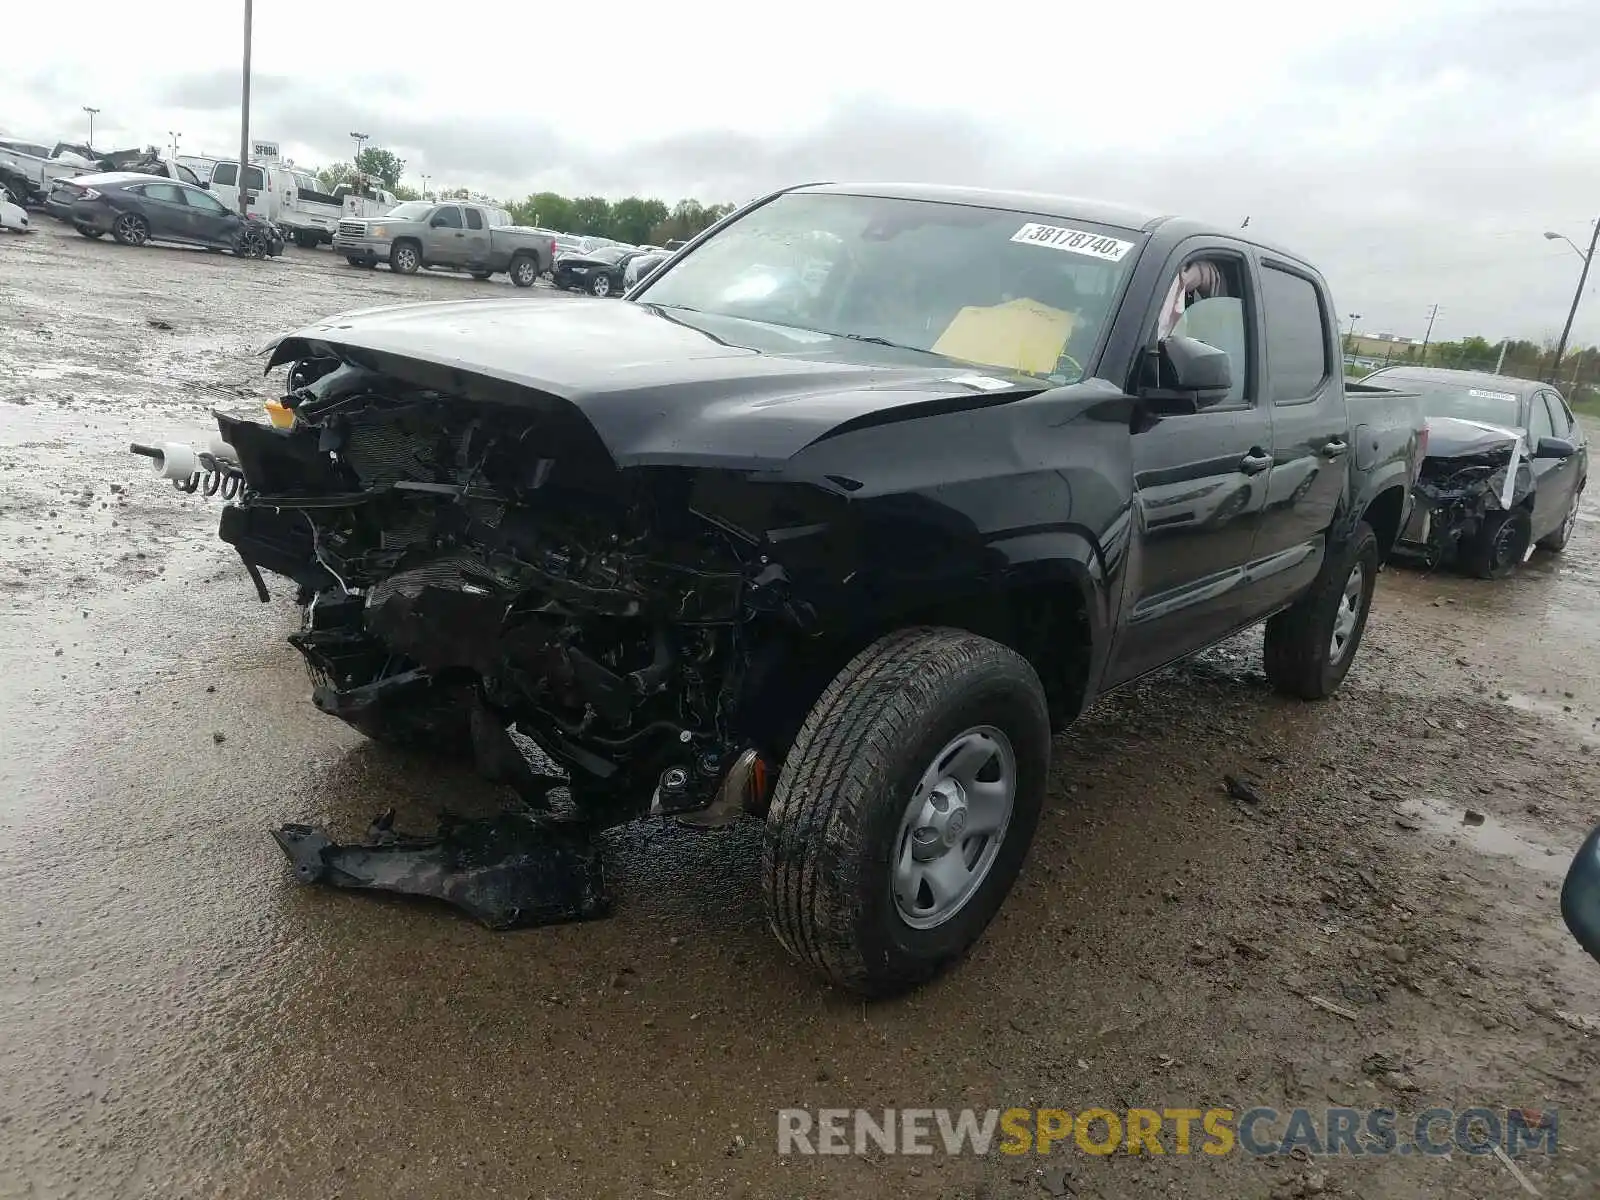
1447, 398
411, 210
978, 285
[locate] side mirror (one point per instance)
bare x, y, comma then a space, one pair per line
437, 223
1554, 447
1580, 895
1192, 375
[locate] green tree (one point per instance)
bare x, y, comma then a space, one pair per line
591, 215
381, 164
332, 176
633, 219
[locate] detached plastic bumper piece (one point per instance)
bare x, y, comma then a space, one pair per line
509, 871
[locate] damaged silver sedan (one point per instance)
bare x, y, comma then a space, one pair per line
1504, 474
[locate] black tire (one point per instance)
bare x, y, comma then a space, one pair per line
524, 270
356, 260
91, 233
252, 243
1499, 545
1559, 540
1301, 659
305, 240
836, 823
130, 229
600, 285
405, 257
480, 276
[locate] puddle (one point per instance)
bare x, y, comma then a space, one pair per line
1491, 836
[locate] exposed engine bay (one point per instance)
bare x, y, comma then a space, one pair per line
459, 577
1456, 493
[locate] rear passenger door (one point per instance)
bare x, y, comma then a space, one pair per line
1200, 477
1311, 441
476, 243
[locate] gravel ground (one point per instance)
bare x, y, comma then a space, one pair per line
179, 1018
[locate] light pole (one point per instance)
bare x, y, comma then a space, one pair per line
244, 119
91, 112
1583, 277
174, 136
361, 140
424, 185
1350, 342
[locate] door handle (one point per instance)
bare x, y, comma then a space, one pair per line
1255, 462
1334, 447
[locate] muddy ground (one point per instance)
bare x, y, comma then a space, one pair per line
179, 1018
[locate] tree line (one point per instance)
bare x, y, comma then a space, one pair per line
1579, 371
636, 220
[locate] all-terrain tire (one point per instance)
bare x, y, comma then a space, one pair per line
1559, 540
1497, 549
1305, 656
481, 275
835, 821
404, 258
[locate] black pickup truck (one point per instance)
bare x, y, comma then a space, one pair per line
832, 521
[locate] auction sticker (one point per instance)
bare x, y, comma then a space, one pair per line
1077, 241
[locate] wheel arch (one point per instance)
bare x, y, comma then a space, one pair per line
1383, 515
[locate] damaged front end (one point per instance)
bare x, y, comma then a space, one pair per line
1472, 472
469, 566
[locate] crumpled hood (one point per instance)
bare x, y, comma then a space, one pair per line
657, 386
1452, 437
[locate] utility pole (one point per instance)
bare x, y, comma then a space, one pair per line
244, 118
1501, 361
1428, 337
1350, 341
91, 112
1566, 330
174, 136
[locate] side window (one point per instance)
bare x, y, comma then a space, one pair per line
166, 193
253, 179
205, 203
474, 219
1297, 345
225, 173
1539, 425
1206, 301
448, 218
187, 175
1559, 420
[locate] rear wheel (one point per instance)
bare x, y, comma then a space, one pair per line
306, 241
600, 285
524, 270
1557, 542
1501, 543
404, 258
1310, 645
131, 229
905, 808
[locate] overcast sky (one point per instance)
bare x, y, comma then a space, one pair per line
1418, 157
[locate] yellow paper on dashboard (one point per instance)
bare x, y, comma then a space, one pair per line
1021, 334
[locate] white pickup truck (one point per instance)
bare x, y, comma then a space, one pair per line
283, 195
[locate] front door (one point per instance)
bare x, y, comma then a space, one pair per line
212, 223
1310, 431
1200, 478
444, 244
168, 212
1554, 478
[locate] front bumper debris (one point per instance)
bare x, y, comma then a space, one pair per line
510, 871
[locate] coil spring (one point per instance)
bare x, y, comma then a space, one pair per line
218, 476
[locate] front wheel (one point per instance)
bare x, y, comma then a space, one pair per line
131, 229
356, 260
404, 258
1501, 543
1557, 542
905, 808
524, 271
1311, 644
